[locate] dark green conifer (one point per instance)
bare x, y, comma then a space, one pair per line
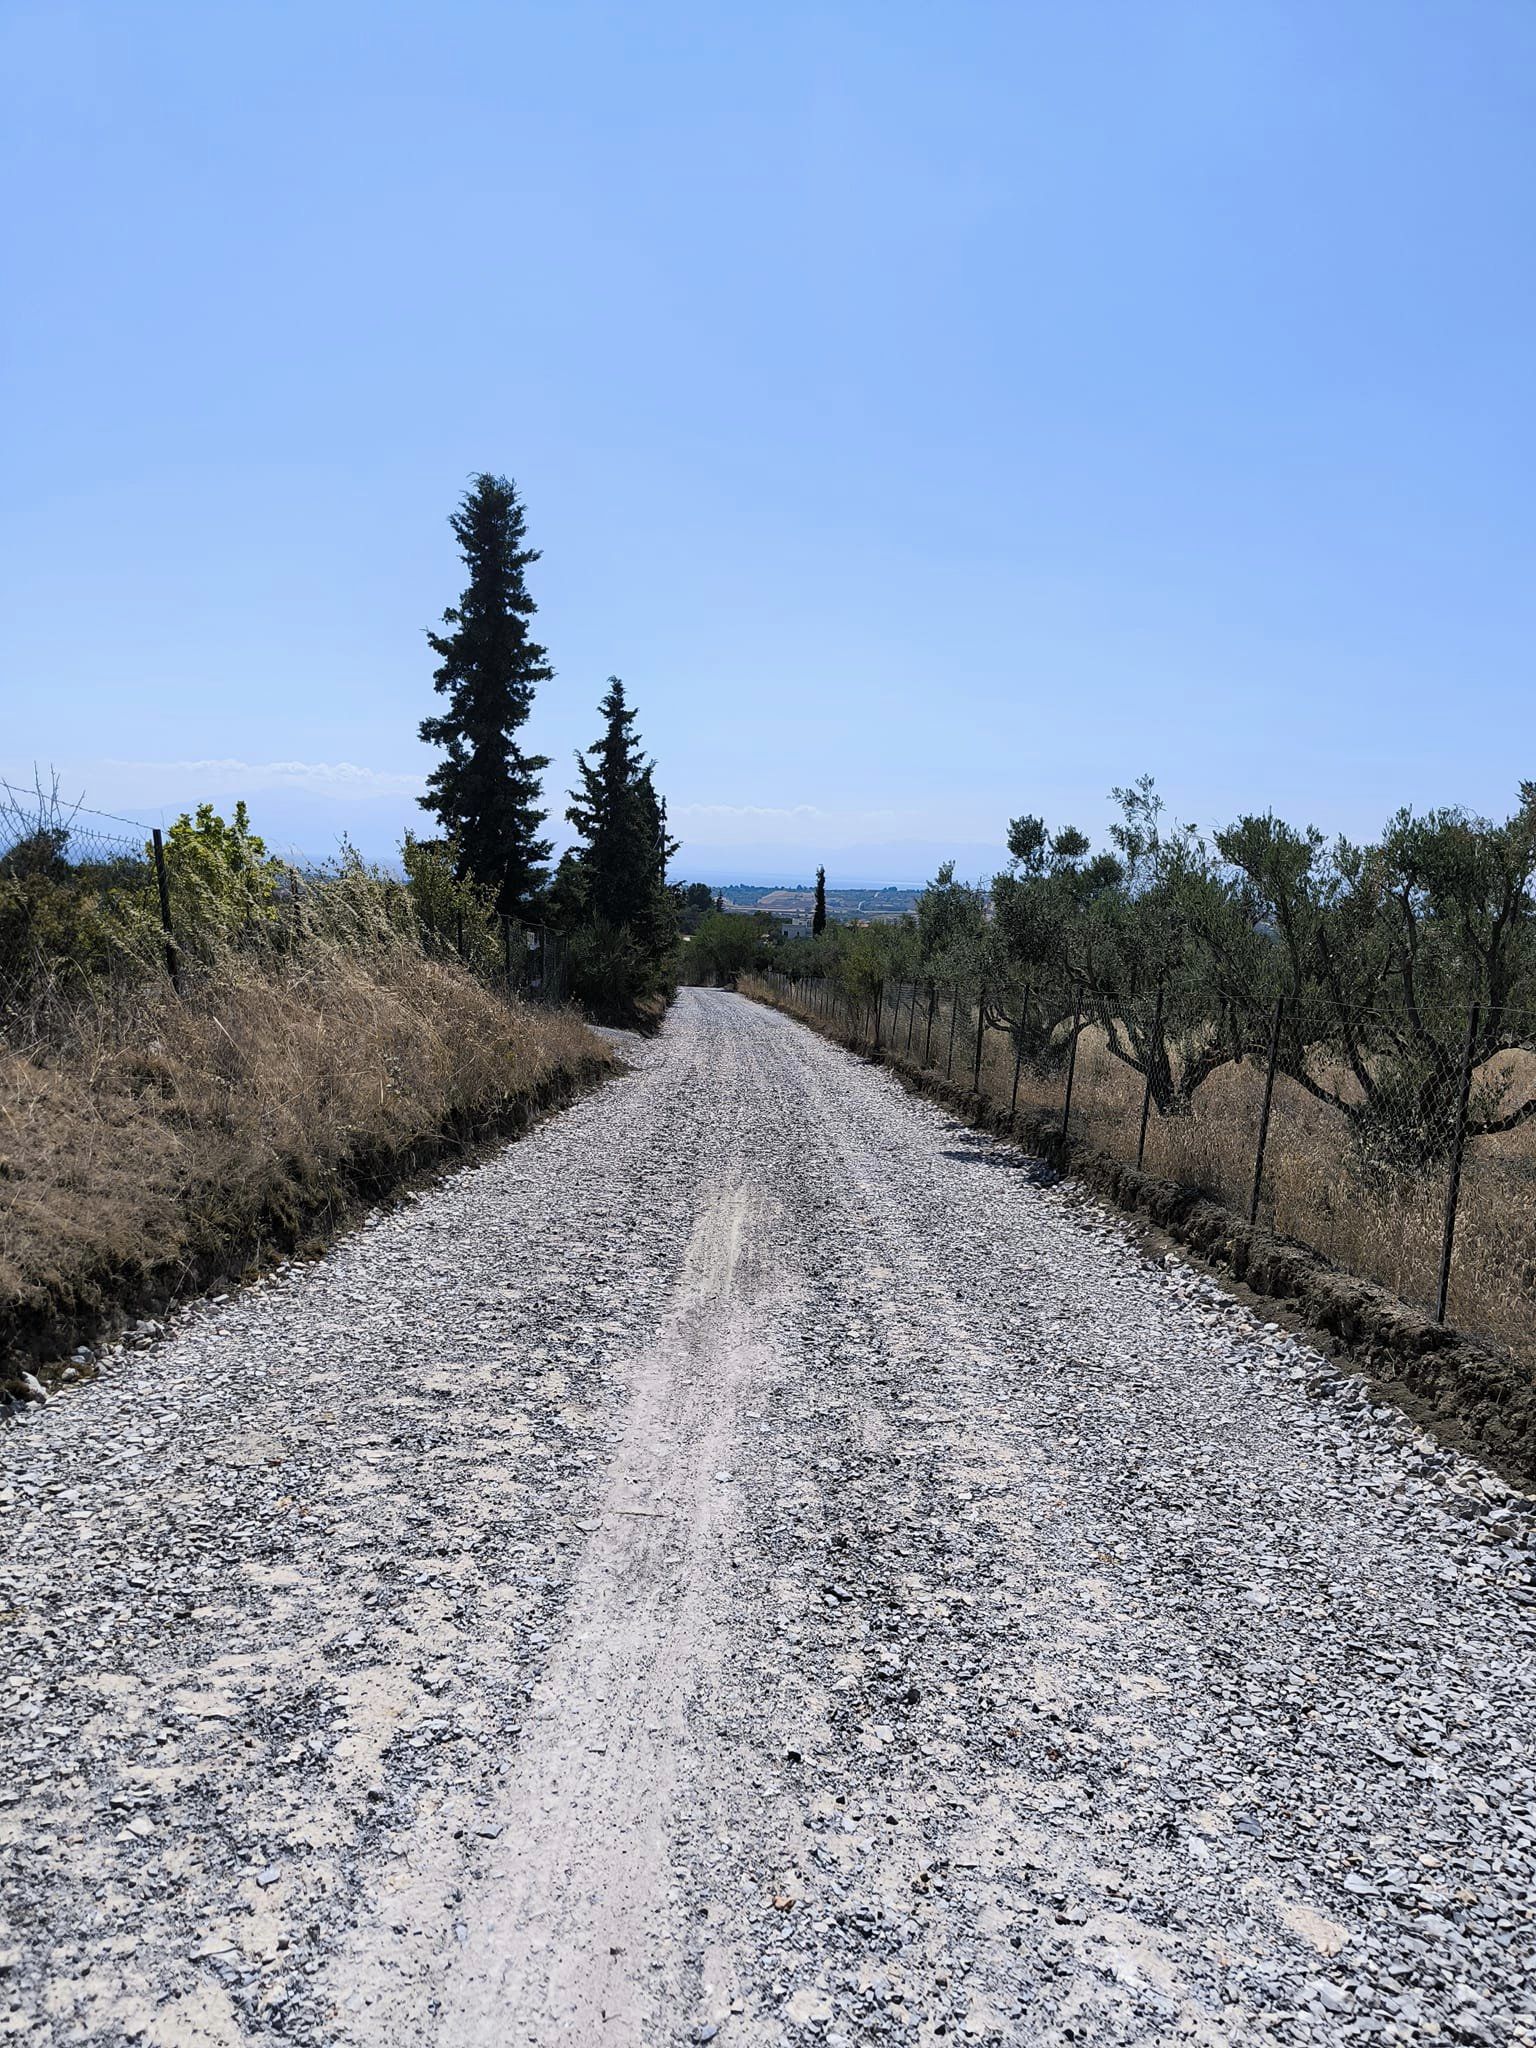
617, 878
485, 791
614, 809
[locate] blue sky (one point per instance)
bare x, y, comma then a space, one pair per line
932, 413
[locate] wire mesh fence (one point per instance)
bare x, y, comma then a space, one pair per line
1399, 1145
89, 902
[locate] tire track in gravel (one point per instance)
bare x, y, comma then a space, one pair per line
574, 1893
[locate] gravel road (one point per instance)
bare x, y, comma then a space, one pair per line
755, 1562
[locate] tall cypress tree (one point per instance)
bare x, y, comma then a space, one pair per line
819, 914
616, 811
486, 791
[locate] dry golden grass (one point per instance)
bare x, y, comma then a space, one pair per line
157, 1143
1387, 1229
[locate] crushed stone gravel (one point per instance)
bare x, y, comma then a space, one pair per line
755, 1561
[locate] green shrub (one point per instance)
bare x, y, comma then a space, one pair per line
222, 879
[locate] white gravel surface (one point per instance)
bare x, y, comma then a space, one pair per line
753, 1562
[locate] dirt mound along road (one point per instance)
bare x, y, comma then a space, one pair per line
754, 1562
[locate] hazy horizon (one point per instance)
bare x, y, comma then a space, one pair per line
299, 831
928, 426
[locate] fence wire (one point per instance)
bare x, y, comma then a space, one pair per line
89, 902
1402, 1148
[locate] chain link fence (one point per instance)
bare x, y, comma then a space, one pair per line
89, 902
1401, 1146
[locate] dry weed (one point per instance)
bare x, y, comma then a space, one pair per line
157, 1142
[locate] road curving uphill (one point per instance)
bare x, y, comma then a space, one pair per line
755, 1562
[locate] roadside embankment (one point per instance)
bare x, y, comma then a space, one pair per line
160, 1146
1469, 1394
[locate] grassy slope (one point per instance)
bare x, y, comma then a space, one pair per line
166, 1144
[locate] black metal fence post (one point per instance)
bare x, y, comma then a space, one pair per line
1458, 1147
981, 1025
1066, 1104
1018, 1054
172, 953
1146, 1094
1264, 1110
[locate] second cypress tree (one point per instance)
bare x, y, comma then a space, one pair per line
611, 813
614, 887
819, 914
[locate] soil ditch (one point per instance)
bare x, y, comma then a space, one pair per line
42, 1325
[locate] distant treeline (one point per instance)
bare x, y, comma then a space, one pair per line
1392, 974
